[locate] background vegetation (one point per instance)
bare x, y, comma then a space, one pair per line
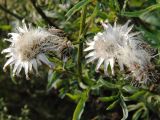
67, 93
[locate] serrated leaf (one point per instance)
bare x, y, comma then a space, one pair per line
77, 7
80, 106
141, 12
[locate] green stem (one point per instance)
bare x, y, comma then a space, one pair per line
80, 47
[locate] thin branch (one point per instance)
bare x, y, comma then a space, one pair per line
11, 13
80, 47
15, 15
6, 15
40, 11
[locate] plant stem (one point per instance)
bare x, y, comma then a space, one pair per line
7, 11
11, 13
80, 47
43, 15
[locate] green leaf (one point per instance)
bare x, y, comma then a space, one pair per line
77, 7
135, 106
102, 15
145, 114
136, 3
73, 97
95, 11
141, 12
111, 4
129, 89
109, 85
136, 95
87, 79
137, 114
107, 99
51, 79
151, 18
80, 106
116, 5
113, 105
124, 108
5, 27
97, 85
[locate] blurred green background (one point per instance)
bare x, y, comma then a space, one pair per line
54, 97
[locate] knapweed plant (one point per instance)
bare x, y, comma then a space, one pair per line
103, 53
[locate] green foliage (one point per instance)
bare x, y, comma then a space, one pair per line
80, 106
71, 92
141, 12
77, 7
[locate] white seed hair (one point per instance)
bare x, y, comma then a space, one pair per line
28, 47
117, 44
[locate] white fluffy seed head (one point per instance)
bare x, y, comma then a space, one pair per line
28, 44
117, 44
28, 48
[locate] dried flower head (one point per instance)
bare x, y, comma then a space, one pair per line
28, 48
117, 44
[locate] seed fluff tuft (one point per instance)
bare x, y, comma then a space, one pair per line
28, 47
117, 44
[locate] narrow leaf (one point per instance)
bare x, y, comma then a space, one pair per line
73, 97
137, 114
136, 95
102, 15
109, 85
107, 99
113, 105
80, 106
135, 106
129, 89
141, 12
97, 85
124, 108
116, 5
77, 7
